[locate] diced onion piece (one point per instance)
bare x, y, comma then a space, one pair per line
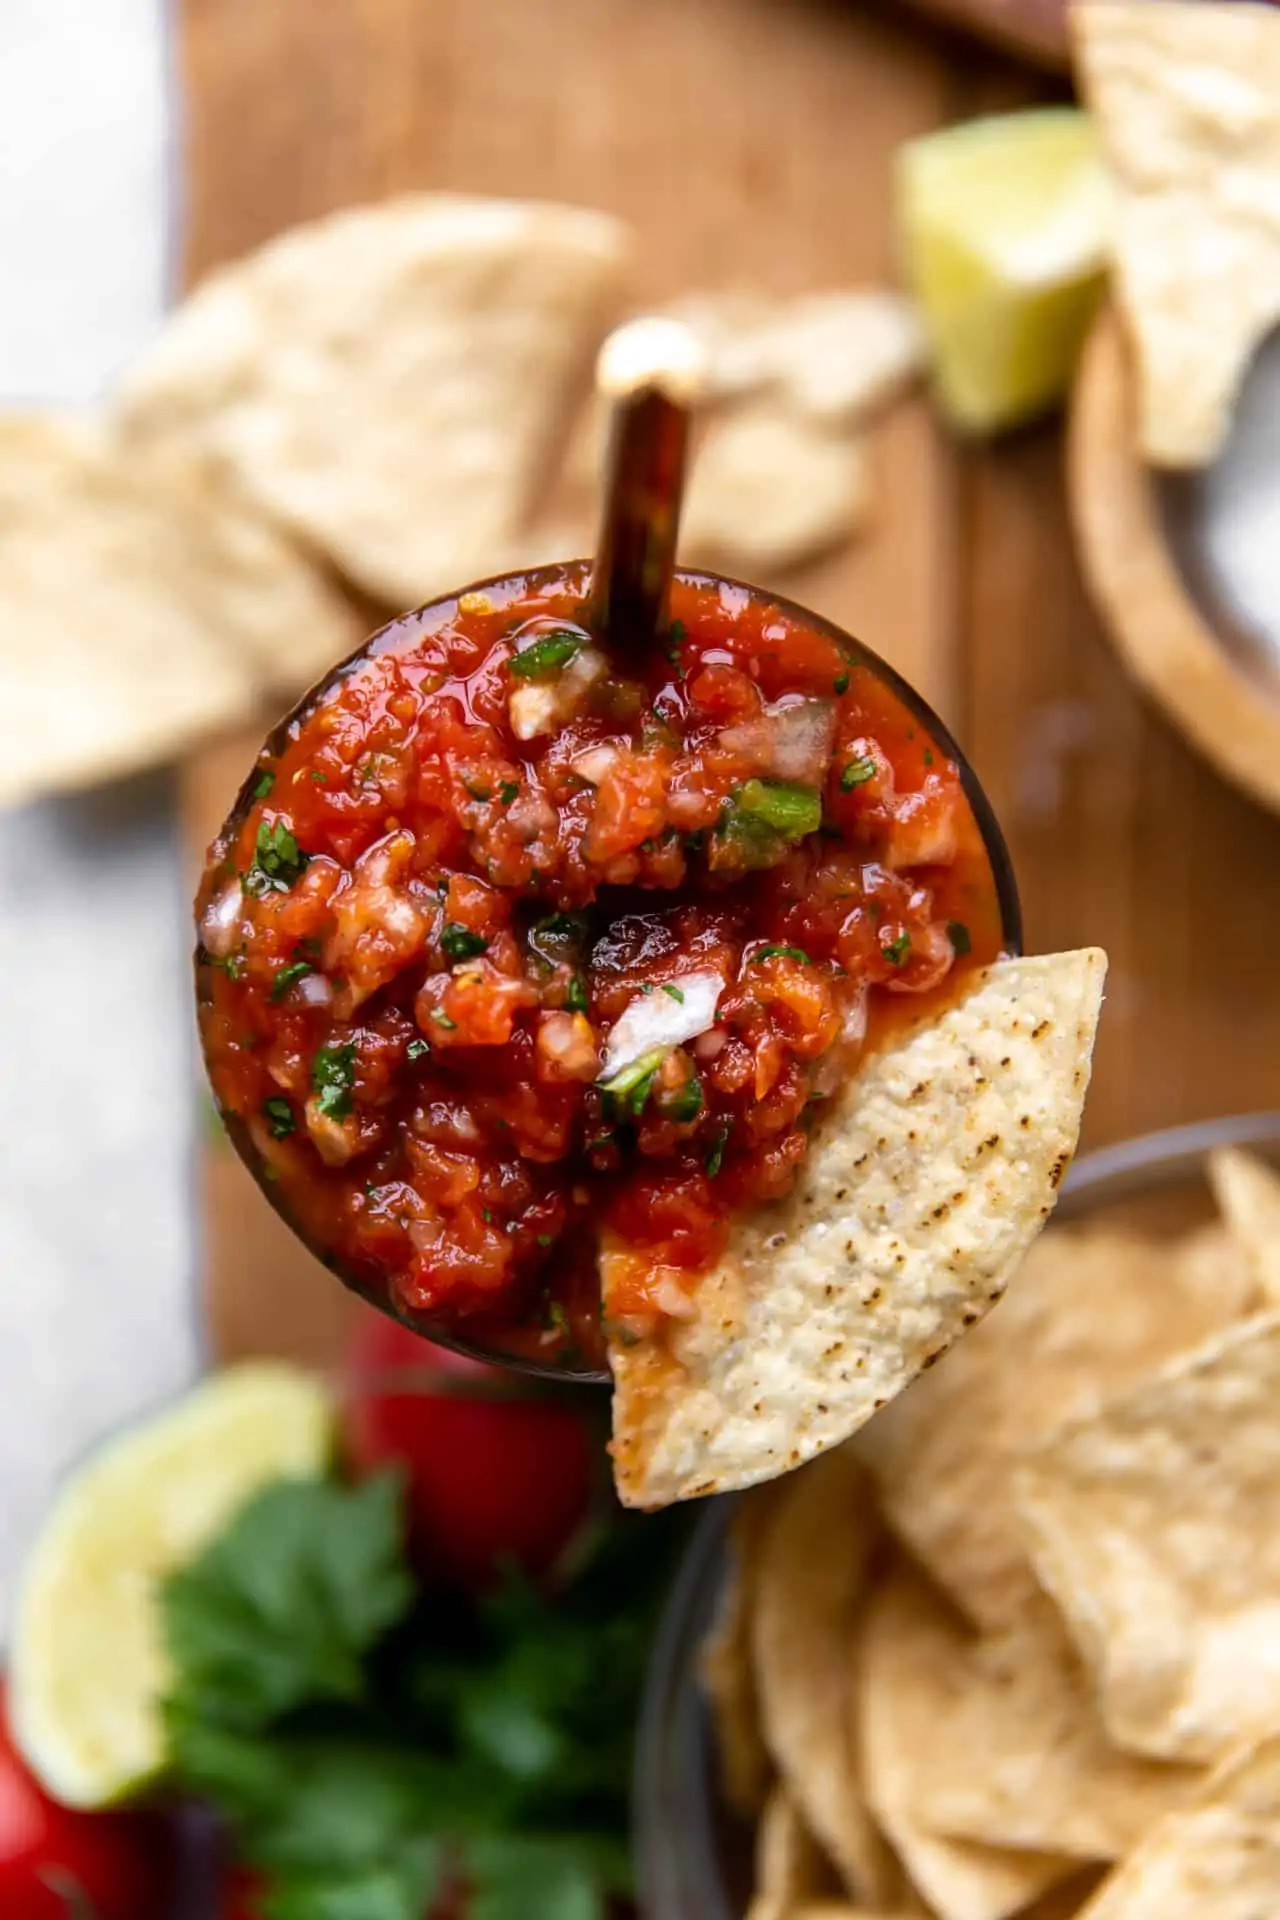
534, 711
658, 1021
544, 706
221, 921
790, 741
594, 764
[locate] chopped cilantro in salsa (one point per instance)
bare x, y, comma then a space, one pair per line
288, 977
857, 773
278, 860
547, 655
460, 943
333, 1074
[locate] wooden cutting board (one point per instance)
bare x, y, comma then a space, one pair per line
754, 140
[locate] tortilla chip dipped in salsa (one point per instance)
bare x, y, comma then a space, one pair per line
533, 977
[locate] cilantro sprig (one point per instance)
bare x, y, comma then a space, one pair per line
364, 1740
278, 860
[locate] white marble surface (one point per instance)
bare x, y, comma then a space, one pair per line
96, 1240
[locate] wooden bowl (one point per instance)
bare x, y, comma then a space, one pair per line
1229, 712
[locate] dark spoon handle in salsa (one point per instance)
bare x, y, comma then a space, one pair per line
650, 373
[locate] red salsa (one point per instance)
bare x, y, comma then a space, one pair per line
520, 951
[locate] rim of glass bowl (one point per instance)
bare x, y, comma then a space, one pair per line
401, 632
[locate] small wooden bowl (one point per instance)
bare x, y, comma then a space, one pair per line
1174, 651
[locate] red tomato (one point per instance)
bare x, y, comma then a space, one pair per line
56, 1864
493, 1476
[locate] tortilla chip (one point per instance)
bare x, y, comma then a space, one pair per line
1156, 1527
769, 491
389, 382
1067, 1901
1019, 1758
1094, 1309
137, 611
1248, 1192
926, 1180
838, 1910
727, 1668
811, 1573
789, 1862
906, 1676
836, 357
1218, 1859
1188, 101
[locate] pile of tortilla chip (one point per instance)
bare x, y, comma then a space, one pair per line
363, 414
1015, 1649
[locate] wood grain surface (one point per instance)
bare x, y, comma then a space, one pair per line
754, 140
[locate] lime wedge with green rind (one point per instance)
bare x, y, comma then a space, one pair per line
1003, 224
87, 1664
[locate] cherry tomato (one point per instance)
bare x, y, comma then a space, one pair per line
494, 1475
56, 1864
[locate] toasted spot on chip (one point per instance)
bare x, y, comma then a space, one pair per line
684, 1404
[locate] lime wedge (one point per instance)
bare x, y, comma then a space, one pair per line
1004, 229
87, 1664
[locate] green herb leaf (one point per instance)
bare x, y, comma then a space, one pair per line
287, 976
897, 950
279, 1117
673, 646
282, 1607
460, 943
333, 1073
547, 655
400, 1890
958, 934
263, 784
841, 683
576, 995
532, 1879
442, 1019
278, 860
790, 810
673, 993
857, 773
417, 1049
780, 953
685, 1103
715, 1159
508, 791
634, 1083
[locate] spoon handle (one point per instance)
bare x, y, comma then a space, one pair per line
650, 373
